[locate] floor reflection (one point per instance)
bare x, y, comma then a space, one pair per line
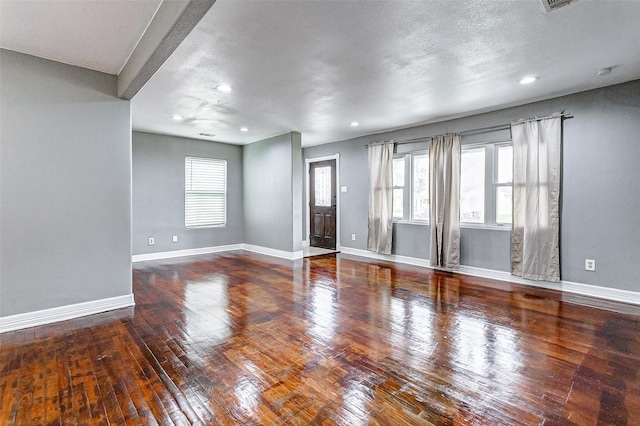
323, 312
206, 305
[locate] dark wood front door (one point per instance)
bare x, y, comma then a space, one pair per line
322, 204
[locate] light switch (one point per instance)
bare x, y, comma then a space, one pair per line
343, 189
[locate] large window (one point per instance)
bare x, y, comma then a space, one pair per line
411, 187
485, 184
205, 202
486, 172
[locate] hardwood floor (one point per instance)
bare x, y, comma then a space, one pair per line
239, 338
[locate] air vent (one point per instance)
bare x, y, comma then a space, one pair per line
551, 5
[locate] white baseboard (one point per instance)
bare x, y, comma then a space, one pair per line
218, 249
290, 255
388, 257
624, 296
181, 253
305, 243
62, 313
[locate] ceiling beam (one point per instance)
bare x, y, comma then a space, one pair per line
171, 24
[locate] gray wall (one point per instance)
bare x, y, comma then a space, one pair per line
600, 200
158, 193
65, 185
272, 185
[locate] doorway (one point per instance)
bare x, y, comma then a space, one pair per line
322, 202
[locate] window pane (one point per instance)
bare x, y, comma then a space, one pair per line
505, 164
322, 187
398, 212
503, 204
398, 172
472, 185
421, 187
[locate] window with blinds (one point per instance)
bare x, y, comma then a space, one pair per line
205, 202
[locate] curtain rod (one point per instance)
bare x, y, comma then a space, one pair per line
468, 132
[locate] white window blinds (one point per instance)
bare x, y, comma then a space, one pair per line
205, 202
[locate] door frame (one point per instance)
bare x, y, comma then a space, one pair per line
307, 162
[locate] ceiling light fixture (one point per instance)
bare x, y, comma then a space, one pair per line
244, 129
354, 124
604, 71
177, 117
223, 88
528, 80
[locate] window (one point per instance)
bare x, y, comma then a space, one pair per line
472, 170
420, 188
205, 202
485, 184
398, 188
411, 187
503, 186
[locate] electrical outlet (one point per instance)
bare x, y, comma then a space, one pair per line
590, 265
152, 241
353, 237
174, 239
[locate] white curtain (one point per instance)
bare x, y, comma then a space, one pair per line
380, 197
444, 200
535, 239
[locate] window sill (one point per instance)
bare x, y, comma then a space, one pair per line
409, 222
486, 227
191, 228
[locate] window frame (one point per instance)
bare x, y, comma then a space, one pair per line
213, 161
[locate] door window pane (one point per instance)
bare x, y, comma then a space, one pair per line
503, 204
472, 172
421, 187
322, 189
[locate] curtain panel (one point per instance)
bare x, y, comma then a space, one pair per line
380, 224
535, 238
444, 200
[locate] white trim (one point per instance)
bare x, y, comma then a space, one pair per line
624, 296
181, 253
305, 243
291, 255
273, 252
63, 313
387, 257
307, 161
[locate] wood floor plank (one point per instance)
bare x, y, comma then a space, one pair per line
241, 338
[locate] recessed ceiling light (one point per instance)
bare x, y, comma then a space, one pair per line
528, 80
244, 129
604, 71
177, 117
354, 124
224, 88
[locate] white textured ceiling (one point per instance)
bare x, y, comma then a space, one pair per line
315, 66
94, 34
